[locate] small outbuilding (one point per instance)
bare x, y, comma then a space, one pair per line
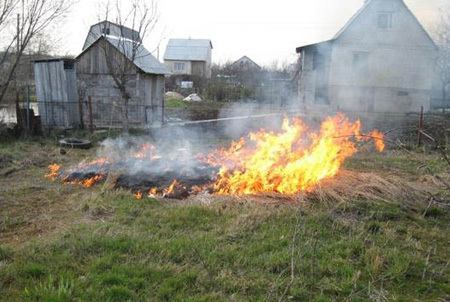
72, 93
145, 77
56, 93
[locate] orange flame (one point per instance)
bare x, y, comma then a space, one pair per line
98, 161
153, 192
54, 171
172, 187
146, 148
289, 162
89, 182
378, 138
292, 161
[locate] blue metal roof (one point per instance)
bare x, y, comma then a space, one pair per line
144, 60
188, 50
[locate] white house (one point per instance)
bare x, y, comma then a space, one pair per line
382, 60
189, 57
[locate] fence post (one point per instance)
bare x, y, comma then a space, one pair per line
81, 113
419, 130
28, 109
91, 124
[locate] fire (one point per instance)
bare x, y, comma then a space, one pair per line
295, 160
98, 162
292, 161
172, 187
378, 139
147, 150
54, 171
153, 192
88, 183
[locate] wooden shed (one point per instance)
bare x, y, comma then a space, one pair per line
145, 85
56, 92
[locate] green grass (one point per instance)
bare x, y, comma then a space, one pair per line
158, 251
177, 104
233, 249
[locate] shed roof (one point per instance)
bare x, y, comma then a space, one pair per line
188, 49
144, 60
124, 31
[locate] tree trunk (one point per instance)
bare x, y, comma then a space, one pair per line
125, 121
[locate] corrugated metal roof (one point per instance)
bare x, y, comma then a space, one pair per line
112, 29
188, 50
144, 60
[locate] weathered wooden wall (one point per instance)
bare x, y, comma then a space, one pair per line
57, 93
146, 105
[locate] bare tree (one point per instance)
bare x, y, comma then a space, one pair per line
44, 43
122, 52
443, 59
6, 8
33, 17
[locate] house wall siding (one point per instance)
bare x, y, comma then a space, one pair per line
147, 97
400, 62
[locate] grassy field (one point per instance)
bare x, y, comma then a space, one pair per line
64, 243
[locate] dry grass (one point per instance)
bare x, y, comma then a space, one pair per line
350, 186
346, 187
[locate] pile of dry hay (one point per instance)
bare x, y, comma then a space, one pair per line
350, 186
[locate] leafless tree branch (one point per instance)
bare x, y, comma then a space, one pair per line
37, 16
141, 19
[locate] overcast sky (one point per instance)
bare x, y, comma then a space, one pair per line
266, 31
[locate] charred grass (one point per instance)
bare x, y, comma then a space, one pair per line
103, 245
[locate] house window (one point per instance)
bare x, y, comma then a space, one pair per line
403, 93
385, 20
180, 66
361, 61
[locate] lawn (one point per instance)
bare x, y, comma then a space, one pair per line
64, 243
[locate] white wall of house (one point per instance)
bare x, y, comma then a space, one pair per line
199, 68
174, 67
397, 69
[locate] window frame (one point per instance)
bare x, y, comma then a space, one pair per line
179, 66
385, 24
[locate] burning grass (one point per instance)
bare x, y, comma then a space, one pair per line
294, 161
